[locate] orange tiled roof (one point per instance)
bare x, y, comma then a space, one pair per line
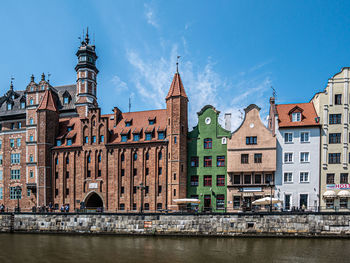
176, 88
48, 103
308, 114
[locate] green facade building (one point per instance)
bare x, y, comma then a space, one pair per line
207, 159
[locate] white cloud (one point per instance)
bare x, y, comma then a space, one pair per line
119, 84
150, 16
203, 85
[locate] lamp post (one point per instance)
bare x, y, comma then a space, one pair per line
18, 193
271, 185
141, 187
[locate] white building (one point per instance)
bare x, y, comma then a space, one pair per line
297, 130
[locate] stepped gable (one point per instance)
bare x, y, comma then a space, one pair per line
176, 88
139, 123
308, 113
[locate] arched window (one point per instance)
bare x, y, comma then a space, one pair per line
89, 159
122, 157
67, 160
99, 158
135, 156
160, 156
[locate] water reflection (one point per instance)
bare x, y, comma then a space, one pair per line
64, 248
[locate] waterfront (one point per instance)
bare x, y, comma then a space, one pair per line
75, 248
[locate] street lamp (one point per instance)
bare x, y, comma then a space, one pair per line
141, 187
18, 193
271, 185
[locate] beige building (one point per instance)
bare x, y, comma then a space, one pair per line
251, 162
332, 106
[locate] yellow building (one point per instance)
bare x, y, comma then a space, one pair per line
332, 107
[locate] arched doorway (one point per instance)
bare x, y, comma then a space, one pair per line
93, 201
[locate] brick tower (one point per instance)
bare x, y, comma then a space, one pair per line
177, 127
47, 116
86, 77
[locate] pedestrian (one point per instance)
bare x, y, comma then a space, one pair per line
50, 207
62, 208
67, 208
2, 208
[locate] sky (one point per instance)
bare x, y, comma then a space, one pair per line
232, 52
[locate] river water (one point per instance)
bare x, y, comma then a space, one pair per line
30, 248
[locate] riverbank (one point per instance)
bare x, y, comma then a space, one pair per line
237, 225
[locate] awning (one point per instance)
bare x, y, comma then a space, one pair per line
344, 193
186, 201
329, 194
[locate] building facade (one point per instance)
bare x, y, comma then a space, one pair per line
207, 154
56, 147
251, 162
332, 106
297, 130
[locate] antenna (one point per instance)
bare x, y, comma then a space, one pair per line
129, 104
177, 64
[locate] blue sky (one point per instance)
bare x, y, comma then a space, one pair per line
232, 52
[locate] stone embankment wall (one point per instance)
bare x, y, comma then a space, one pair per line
303, 225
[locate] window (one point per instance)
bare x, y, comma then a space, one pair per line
86, 139
288, 137
122, 190
304, 157
127, 123
122, 207
251, 140
151, 122
65, 100
89, 159
207, 161
288, 157
333, 158
122, 157
159, 189
220, 202
124, 138
15, 174
19, 125
337, 99
31, 122
102, 138
23, 105
207, 180
303, 201
147, 156
31, 159
15, 194
122, 172
174, 176
334, 138
99, 158
344, 178
244, 158
0, 159
12, 126
67, 160
304, 177
208, 143
160, 170
287, 198
175, 139
304, 136
288, 177
220, 180
135, 172
159, 206
268, 178
161, 135
146, 189
9, 106
56, 161
334, 118
1, 193
257, 179
135, 156
160, 156
88, 173
67, 175
58, 142
69, 142
343, 202
31, 174
15, 158
194, 161
194, 180
147, 171
148, 136
247, 179
18, 142
329, 203
220, 161
258, 158
12, 143
147, 206
136, 137
236, 179
93, 139
134, 207
296, 116
31, 102
1, 176
236, 202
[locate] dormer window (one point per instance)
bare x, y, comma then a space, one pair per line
148, 136
124, 138
296, 116
9, 106
65, 100
23, 105
161, 135
58, 143
69, 142
69, 128
136, 137
31, 88
127, 123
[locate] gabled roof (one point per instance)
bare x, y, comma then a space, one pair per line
176, 88
48, 102
309, 115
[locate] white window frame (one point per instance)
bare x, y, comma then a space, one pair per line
308, 177
287, 182
308, 199
291, 200
284, 137
304, 136
284, 160
308, 154
296, 116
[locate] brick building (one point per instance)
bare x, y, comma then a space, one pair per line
56, 146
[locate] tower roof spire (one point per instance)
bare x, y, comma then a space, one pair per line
176, 88
87, 39
11, 85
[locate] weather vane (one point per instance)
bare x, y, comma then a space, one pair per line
177, 64
273, 92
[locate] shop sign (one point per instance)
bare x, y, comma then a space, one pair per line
92, 185
251, 189
338, 186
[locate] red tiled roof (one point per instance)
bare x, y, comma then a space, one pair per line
65, 134
176, 88
308, 114
48, 102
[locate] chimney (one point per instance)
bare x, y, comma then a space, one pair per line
228, 121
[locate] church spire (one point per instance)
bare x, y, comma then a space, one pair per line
176, 88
